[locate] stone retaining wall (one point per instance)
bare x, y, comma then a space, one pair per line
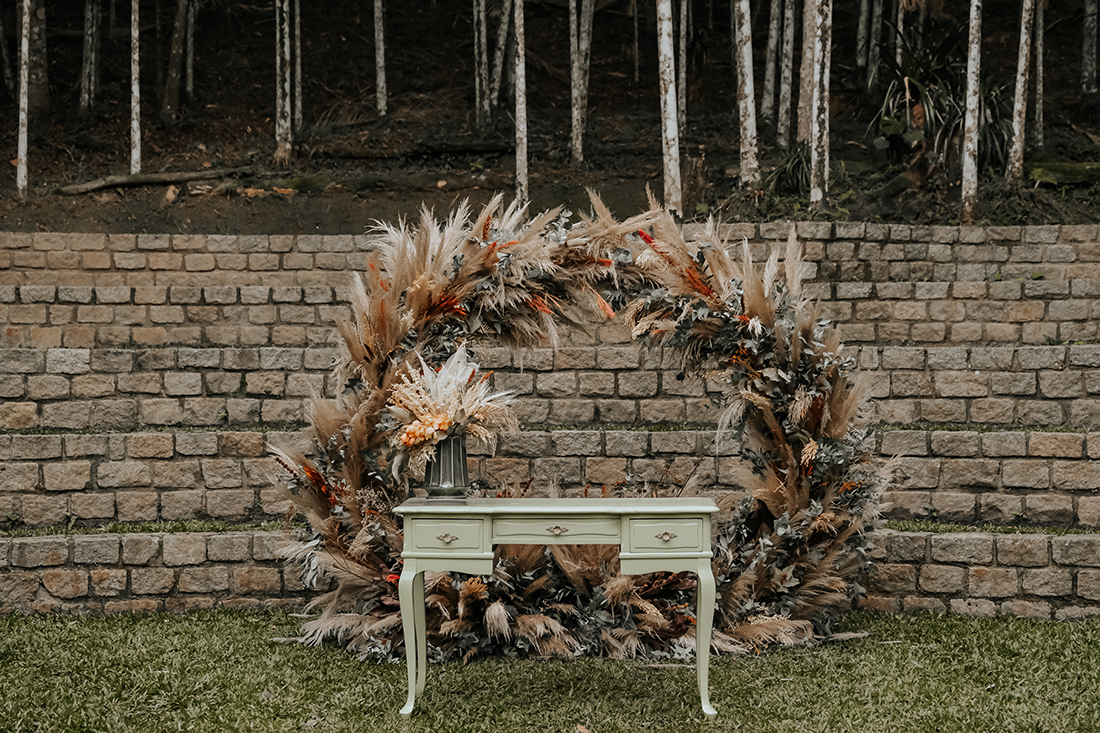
979, 574
113, 573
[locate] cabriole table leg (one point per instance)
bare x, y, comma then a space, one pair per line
406, 595
704, 613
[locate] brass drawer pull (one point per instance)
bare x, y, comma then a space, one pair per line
557, 530
666, 536
446, 538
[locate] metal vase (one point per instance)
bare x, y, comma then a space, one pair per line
447, 474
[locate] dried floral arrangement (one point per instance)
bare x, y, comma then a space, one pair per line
786, 555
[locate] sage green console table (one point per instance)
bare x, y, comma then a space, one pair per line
653, 535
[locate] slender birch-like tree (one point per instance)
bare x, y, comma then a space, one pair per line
1015, 171
24, 98
580, 57
189, 56
874, 44
819, 136
284, 88
681, 69
861, 35
297, 122
806, 76
767, 104
970, 123
135, 88
786, 72
1038, 135
522, 193
670, 134
501, 52
379, 59
1088, 50
481, 64
89, 67
746, 99
170, 101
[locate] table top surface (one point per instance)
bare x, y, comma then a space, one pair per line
559, 507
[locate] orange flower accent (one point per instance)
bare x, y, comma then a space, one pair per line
393, 578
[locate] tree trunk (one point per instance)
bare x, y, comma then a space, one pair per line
189, 59
501, 52
670, 134
296, 87
24, 101
135, 89
806, 106
580, 56
521, 107
1088, 50
38, 91
634, 15
1037, 133
746, 98
284, 130
89, 69
1015, 171
379, 59
786, 71
970, 129
874, 43
819, 143
861, 34
899, 33
681, 70
481, 64
170, 103
767, 105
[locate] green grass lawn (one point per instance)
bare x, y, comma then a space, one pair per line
220, 671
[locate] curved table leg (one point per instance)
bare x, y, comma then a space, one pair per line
406, 595
420, 616
704, 613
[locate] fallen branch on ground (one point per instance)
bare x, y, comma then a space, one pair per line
146, 179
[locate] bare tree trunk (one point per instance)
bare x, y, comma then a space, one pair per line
746, 98
874, 43
298, 121
501, 52
670, 134
580, 55
24, 101
1088, 50
284, 129
767, 105
1037, 132
1015, 171
481, 64
522, 194
135, 89
634, 15
89, 69
681, 69
861, 34
819, 143
171, 100
806, 84
786, 71
970, 124
38, 92
379, 59
189, 60
899, 33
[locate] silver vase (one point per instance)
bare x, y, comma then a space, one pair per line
447, 474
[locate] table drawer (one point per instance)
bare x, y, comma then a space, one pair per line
557, 531
443, 535
665, 535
